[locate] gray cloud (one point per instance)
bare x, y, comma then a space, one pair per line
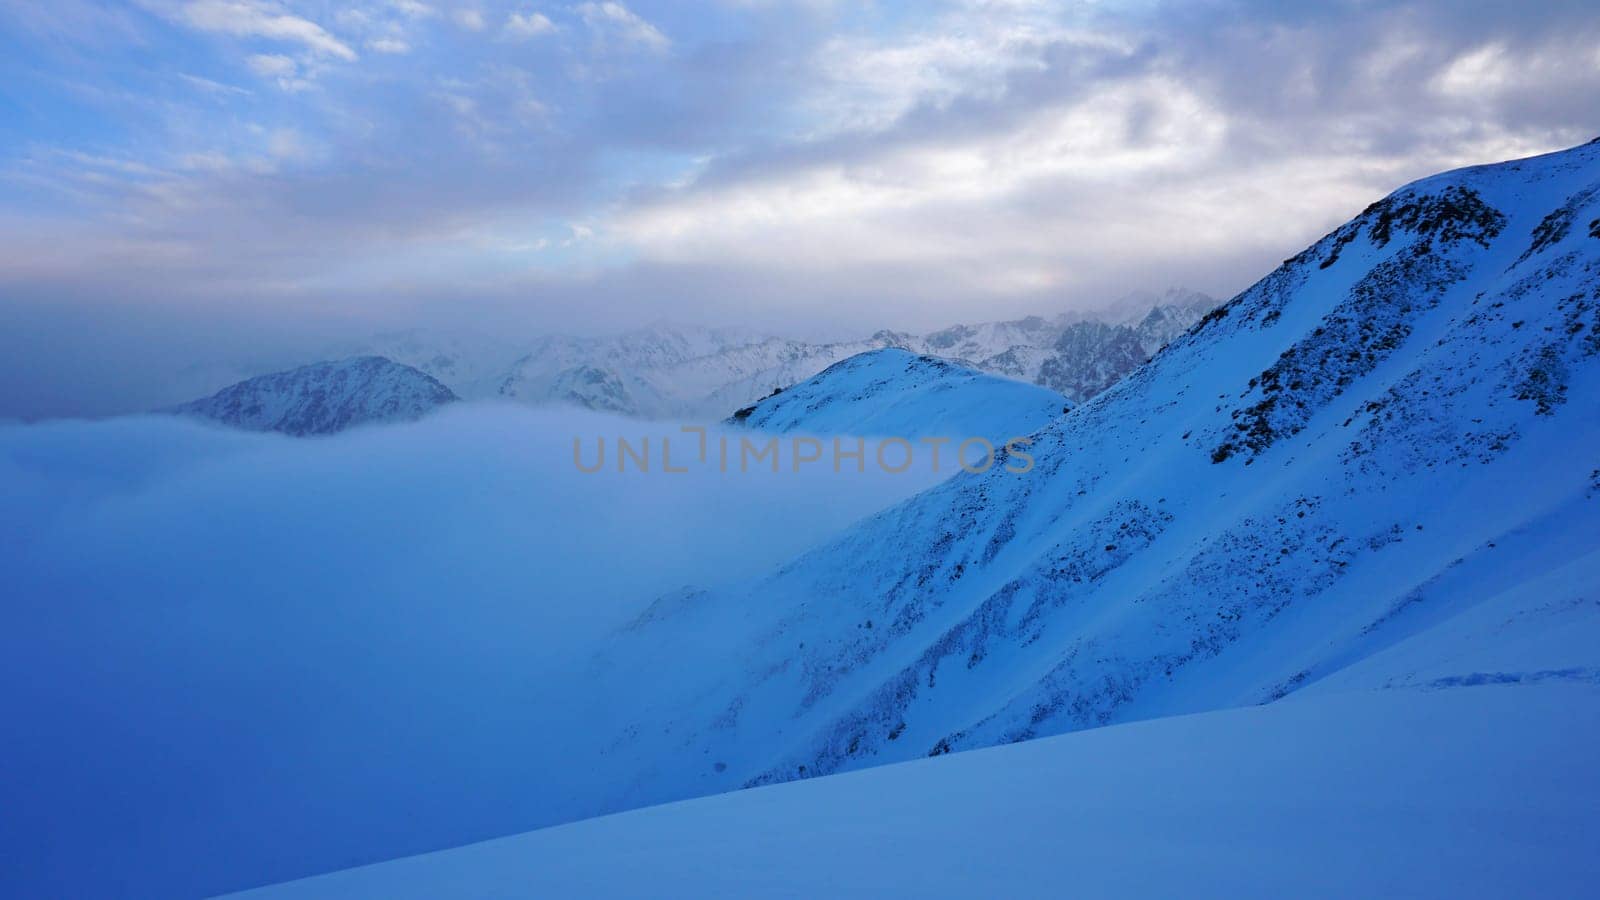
805, 166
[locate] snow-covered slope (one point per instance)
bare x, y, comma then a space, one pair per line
324, 397
894, 393
1484, 791
1447, 752
1297, 483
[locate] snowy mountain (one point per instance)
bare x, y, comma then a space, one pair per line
1014, 349
894, 393
702, 375
677, 374
324, 398
666, 370
1089, 357
467, 362
583, 386
1395, 426
1173, 314
1325, 564
1134, 307
1089, 354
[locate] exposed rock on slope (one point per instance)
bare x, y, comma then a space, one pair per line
1392, 426
1089, 357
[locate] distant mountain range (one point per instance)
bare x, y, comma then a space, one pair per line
705, 374
699, 373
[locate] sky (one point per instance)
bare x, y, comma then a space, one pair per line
198, 178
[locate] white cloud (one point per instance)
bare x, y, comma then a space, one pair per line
613, 21
1477, 73
527, 25
288, 145
282, 70
470, 19
1493, 71
412, 8
867, 82
976, 146
271, 65
919, 202
250, 18
388, 45
212, 87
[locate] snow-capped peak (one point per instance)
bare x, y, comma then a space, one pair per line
325, 397
896, 393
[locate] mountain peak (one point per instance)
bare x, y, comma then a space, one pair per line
324, 397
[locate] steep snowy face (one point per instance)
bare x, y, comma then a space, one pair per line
1077, 355
324, 398
1089, 357
894, 393
1394, 425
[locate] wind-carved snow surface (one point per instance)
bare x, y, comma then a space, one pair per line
1279, 494
324, 398
895, 393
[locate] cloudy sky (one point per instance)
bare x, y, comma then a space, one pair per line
179, 176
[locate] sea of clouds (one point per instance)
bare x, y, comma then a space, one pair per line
238, 658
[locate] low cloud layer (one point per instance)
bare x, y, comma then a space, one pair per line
203, 621
784, 164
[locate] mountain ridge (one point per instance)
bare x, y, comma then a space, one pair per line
894, 393
1264, 471
669, 370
